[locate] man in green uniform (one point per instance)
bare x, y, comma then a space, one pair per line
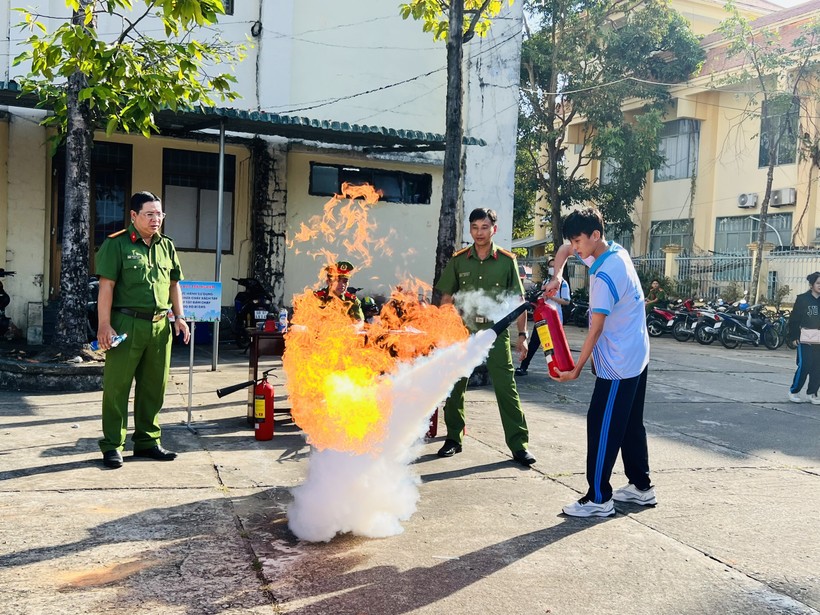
338, 278
139, 273
486, 267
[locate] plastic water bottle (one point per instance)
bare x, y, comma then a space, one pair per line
115, 341
283, 320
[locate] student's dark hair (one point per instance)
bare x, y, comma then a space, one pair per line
483, 213
812, 277
141, 198
654, 280
583, 221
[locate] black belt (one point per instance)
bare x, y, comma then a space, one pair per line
143, 315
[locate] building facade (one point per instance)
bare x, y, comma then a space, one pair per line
321, 85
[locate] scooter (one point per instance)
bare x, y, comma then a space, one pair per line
686, 320
736, 330
579, 313
4, 302
660, 321
251, 306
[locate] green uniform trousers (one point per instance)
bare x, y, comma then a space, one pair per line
144, 356
500, 368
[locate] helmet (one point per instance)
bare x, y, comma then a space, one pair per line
369, 306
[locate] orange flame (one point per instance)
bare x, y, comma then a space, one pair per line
335, 365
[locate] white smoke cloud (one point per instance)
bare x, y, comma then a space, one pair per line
474, 303
371, 494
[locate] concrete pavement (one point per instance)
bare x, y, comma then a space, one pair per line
736, 467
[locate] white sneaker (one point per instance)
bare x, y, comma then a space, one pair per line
630, 493
795, 397
587, 508
815, 399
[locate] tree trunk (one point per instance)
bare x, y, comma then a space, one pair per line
450, 202
71, 318
761, 233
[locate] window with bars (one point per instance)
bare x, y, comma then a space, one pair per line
734, 233
679, 142
190, 183
778, 131
665, 232
396, 186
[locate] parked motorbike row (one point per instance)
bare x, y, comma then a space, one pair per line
731, 324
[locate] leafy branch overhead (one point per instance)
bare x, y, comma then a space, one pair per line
478, 16
130, 75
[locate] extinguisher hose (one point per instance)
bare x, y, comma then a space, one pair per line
505, 322
242, 385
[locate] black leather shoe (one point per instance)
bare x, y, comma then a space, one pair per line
112, 459
450, 448
520, 372
524, 458
157, 453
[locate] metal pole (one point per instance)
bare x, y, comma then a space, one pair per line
191, 374
218, 259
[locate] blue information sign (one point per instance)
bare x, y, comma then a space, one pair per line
201, 301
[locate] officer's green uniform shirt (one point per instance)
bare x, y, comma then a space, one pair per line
497, 275
143, 274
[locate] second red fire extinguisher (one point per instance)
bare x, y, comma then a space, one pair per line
553, 340
263, 410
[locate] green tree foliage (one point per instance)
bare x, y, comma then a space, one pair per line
130, 75
581, 62
478, 16
91, 83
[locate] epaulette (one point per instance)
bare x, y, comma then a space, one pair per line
462, 251
165, 237
350, 296
506, 253
118, 233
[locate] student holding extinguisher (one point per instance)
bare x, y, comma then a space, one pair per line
618, 343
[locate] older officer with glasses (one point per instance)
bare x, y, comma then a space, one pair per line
139, 273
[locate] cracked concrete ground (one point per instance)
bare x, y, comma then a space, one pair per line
736, 466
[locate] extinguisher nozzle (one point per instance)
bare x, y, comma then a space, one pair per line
505, 322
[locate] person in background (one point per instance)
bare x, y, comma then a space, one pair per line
338, 278
656, 297
804, 328
484, 266
618, 343
561, 299
139, 282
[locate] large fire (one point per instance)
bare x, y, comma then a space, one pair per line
335, 367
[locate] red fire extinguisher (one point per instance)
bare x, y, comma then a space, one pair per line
263, 410
553, 339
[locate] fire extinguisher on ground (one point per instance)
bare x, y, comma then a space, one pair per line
263, 409
262, 404
553, 340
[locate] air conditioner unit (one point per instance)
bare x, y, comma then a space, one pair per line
747, 200
784, 196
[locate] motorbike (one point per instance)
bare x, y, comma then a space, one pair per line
5, 321
660, 321
686, 321
251, 306
579, 313
754, 328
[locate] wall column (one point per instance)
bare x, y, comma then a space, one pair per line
670, 267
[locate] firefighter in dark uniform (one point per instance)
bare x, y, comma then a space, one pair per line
338, 277
486, 267
139, 273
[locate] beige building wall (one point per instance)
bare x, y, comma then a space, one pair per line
406, 227
27, 214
